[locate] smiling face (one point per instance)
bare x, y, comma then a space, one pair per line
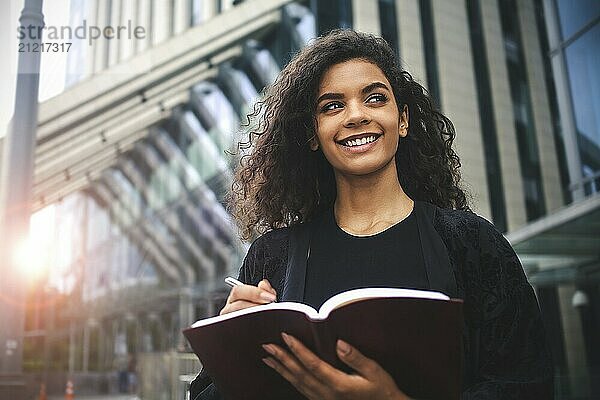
358, 122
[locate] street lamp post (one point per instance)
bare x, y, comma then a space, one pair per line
15, 202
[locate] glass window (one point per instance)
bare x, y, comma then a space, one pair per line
203, 153
134, 201
216, 113
265, 65
98, 225
583, 63
574, 15
239, 89
300, 23
196, 14
79, 51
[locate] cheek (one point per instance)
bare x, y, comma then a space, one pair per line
392, 141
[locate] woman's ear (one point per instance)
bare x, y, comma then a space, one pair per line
403, 123
313, 142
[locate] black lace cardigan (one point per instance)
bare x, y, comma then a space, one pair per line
505, 351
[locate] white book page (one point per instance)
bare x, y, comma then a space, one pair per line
303, 308
354, 295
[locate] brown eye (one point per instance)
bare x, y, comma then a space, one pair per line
377, 98
331, 106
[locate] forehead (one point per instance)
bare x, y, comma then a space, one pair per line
350, 75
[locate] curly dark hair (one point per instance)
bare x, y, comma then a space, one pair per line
282, 182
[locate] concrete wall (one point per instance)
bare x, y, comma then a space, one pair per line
459, 96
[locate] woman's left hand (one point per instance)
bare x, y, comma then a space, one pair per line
316, 379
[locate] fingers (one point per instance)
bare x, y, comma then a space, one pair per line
355, 359
250, 293
307, 391
313, 364
237, 305
266, 285
244, 296
291, 369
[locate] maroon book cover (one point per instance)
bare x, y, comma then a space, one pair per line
416, 340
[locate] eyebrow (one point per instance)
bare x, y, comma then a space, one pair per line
365, 90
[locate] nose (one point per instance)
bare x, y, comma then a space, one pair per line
356, 115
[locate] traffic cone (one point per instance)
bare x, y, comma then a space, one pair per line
70, 391
43, 395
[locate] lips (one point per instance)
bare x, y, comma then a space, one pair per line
359, 140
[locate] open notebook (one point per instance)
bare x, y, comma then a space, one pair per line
415, 335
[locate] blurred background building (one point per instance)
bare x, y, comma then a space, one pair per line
133, 159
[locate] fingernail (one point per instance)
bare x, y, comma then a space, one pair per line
343, 347
267, 296
269, 362
268, 348
286, 338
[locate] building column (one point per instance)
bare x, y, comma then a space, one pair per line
512, 179
411, 39
542, 117
579, 379
226, 5
101, 44
72, 345
86, 347
182, 16
365, 16
186, 314
90, 45
209, 9
114, 51
565, 107
115, 328
459, 96
144, 19
127, 39
161, 21
16, 184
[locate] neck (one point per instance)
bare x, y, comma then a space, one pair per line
369, 203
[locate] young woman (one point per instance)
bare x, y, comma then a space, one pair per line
353, 182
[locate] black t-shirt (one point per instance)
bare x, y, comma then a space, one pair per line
340, 261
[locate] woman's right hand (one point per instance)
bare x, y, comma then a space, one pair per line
244, 296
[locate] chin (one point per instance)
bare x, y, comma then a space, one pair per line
363, 170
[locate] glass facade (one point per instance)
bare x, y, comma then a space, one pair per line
583, 63
576, 15
578, 49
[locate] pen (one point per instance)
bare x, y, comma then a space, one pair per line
232, 281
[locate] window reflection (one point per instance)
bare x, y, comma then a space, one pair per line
574, 15
583, 63
239, 89
216, 113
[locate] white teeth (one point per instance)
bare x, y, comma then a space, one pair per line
359, 142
